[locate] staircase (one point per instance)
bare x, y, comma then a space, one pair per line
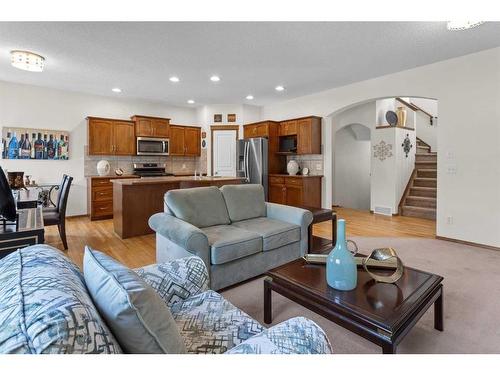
419, 199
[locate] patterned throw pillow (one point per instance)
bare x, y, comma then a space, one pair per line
45, 307
137, 316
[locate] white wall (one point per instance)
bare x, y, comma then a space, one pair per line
36, 107
468, 92
351, 185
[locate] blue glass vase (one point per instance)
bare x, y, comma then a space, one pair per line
341, 270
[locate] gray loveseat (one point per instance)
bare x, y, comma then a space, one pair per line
236, 233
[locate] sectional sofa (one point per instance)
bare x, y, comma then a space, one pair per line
232, 229
47, 305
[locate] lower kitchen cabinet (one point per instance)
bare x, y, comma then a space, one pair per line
100, 197
295, 190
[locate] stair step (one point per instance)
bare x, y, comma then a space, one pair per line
424, 149
426, 164
419, 191
431, 173
425, 181
422, 212
417, 201
430, 156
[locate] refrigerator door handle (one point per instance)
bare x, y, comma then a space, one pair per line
247, 152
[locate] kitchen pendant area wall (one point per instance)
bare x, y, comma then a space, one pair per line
62, 110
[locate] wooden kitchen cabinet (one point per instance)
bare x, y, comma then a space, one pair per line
192, 140
100, 197
155, 127
185, 140
288, 128
308, 133
124, 138
295, 190
110, 136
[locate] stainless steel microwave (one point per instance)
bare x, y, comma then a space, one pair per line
152, 146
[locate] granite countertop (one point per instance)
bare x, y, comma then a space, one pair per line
171, 179
295, 176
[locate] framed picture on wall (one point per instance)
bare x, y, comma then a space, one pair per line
31, 143
231, 117
218, 117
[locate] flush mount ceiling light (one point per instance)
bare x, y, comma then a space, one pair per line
26, 60
249, 97
116, 89
174, 79
215, 78
190, 101
279, 88
462, 25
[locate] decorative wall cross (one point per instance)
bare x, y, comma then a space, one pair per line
407, 145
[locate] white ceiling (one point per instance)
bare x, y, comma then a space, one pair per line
251, 58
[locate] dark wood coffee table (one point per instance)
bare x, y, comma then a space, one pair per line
381, 313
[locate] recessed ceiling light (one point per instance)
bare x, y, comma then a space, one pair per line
215, 78
279, 88
116, 89
26, 60
191, 101
462, 25
250, 97
174, 79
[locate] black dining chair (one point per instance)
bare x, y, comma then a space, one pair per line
57, 215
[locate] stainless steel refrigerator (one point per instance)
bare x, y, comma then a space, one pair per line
252, 161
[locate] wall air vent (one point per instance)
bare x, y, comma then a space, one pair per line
387, 211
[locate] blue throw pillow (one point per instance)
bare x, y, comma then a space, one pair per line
139, 319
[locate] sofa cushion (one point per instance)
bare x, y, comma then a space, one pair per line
294, 336
209, 324
45, 306
275, 233
228, 243
244, 201
201, 207
138, 317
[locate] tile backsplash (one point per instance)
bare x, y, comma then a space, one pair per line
313, 162
175, 164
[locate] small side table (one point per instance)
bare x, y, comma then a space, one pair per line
320, 244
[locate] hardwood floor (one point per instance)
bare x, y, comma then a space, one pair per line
140, 251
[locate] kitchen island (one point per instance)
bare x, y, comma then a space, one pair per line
135, 200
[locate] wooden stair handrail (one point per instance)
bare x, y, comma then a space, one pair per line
416, 108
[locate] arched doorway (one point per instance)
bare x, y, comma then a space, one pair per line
344, 132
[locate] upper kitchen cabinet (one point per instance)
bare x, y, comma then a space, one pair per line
110, 136
309, 135
265, 129
147, 126
185, 140
301, 135
192, 139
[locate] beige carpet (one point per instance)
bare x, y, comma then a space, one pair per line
471, 300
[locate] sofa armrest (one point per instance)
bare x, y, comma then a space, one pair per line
294, 336
293, 215
176, 280
183, 234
